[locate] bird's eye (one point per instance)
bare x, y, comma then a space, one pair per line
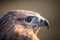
28, 19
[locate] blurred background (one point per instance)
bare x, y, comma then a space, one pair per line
47, 8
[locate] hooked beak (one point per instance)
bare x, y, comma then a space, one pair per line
44, 23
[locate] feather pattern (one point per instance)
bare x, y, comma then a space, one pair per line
20, 25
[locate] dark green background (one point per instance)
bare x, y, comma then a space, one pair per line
48, 9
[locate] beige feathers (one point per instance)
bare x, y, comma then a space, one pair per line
21, 25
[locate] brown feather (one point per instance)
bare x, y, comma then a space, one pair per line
12, 26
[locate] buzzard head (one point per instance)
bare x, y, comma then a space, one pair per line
21, 22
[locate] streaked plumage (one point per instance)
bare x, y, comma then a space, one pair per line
21, 25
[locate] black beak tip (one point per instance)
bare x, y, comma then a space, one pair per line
46, 23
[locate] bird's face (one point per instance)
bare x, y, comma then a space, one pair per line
21, 22
29, 19
35, 22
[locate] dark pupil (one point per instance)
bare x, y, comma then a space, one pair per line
28, 19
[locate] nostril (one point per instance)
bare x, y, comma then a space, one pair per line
41, 20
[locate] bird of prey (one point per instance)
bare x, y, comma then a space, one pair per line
21, 25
